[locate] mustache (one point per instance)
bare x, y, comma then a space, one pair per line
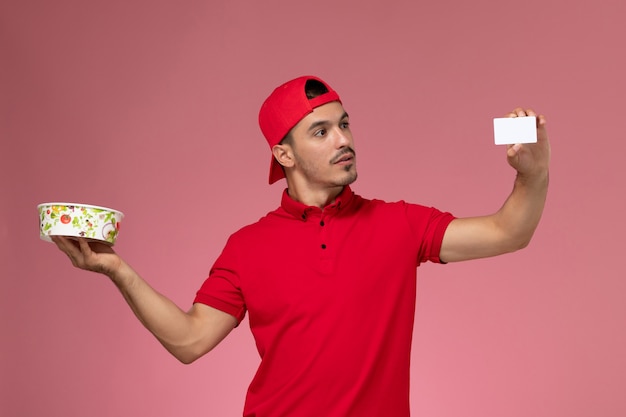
345, 151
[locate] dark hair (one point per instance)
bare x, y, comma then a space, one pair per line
314, 88
287, 140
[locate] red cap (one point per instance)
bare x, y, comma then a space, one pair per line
283, 109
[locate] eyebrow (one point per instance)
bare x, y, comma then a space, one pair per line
324, 122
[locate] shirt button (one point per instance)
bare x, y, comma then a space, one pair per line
323, 246
322, 223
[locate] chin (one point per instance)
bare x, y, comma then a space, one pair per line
349, 179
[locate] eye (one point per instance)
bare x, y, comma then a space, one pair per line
345, 125
320, 132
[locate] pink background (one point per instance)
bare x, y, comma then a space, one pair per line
150, 107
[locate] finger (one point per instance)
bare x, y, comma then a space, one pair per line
84, 247
64, 244
513, 150
72, 259
521, 112
517, 112
69, 248
541, 120
530, 112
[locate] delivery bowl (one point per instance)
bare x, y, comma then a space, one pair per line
79, 220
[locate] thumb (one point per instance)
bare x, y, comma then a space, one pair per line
513, 150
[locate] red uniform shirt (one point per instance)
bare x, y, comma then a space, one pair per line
330, 296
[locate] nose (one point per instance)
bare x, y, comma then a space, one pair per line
343, 138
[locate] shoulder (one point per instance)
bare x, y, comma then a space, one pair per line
265, 226
378, 206
401, 214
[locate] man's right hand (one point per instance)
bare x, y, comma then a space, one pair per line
90, 256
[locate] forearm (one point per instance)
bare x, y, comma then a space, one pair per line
507, 230
187, 335
519, 216
173, 327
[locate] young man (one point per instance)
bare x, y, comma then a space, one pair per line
328, 279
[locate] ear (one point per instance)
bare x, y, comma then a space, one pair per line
283, 155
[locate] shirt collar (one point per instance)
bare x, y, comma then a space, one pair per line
302, 211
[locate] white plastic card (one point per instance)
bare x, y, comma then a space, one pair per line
510, 130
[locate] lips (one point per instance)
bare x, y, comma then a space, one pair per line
345, 156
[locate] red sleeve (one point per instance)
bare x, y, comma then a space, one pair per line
430, 224
221, 289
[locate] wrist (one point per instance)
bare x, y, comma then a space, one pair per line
535, 179
121, 274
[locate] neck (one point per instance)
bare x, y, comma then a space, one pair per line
314, 197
